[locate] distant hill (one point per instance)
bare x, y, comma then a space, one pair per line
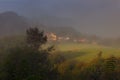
11, 23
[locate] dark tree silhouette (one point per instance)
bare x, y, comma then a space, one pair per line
35, 38
27, 62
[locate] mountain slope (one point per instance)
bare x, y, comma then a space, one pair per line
11, 23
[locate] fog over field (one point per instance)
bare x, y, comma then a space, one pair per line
99, 17
59, 39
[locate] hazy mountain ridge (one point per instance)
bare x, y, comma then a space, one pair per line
11, 23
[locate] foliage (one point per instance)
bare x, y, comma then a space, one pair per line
35, 38
27, 62
98, 69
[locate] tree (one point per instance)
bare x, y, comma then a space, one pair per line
35, 38
27, 62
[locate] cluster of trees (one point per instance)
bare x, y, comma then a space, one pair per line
29, 61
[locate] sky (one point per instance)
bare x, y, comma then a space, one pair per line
99, 17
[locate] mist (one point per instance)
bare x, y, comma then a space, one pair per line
59, 39
98, 17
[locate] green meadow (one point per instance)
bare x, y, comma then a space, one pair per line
85, 52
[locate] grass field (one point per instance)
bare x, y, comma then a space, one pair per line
85, 52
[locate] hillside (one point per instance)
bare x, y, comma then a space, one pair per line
12, 23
